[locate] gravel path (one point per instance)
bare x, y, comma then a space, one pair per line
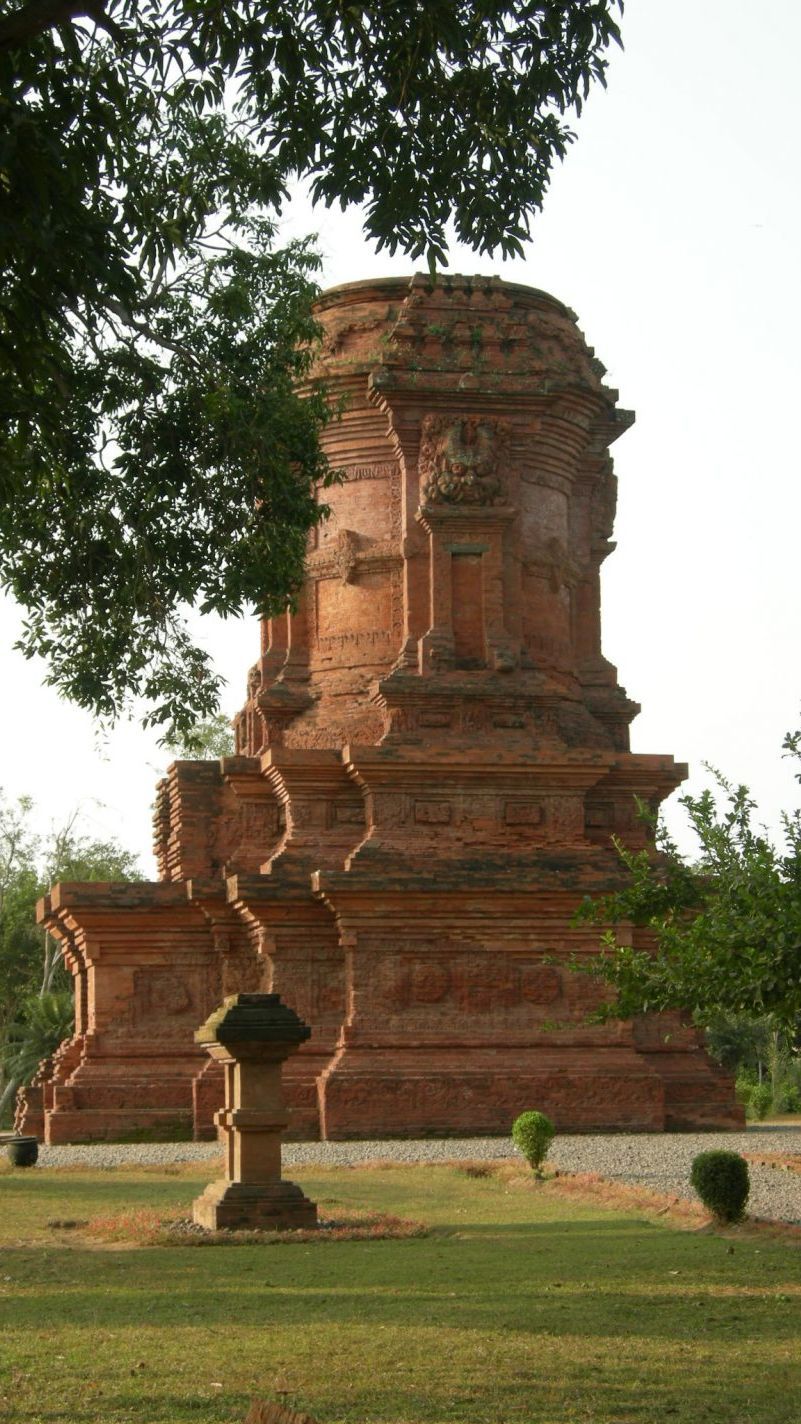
657, 1160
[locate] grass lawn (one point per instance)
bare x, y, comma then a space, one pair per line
519, 1305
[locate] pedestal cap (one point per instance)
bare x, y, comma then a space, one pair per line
249, 1018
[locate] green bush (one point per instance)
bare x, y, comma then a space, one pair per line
721, 1181
533, 1133
789, 1100
760, 1101
744, 1085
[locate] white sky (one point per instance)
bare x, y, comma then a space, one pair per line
674, 230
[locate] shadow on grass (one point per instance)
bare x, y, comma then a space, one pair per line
28, 1189
607, 1393
633, 1287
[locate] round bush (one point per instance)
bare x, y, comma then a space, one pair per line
533, 1133
721, 1181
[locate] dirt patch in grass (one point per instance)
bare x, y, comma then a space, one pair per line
370, 1164
350, 1226
590, 1188
673, 1211
149, 1227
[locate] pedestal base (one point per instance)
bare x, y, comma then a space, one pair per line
254, 1206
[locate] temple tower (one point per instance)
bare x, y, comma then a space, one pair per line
431, 762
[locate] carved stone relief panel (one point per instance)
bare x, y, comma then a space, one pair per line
491, 989
247, 830
480, 816
524, 813
433, 813
169, 1003
314, 984
462, 459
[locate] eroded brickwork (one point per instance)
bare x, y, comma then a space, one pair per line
433, 758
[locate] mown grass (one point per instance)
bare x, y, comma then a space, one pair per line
519, 1305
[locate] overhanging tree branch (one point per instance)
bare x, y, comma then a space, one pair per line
38, 16
120, 161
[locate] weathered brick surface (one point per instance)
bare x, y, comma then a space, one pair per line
432, 760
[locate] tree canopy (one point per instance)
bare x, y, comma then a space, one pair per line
156, 452
725, 929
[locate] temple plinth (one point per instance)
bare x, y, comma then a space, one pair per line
432, 761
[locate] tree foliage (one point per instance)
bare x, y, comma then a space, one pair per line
42, 1023
156, 452
20, 882
35, 996
725, 930
211, 737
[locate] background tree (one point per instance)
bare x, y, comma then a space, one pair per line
211, 737
725, 929
36, 1002
155, 450
762, 1053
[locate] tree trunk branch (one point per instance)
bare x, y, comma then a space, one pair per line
9, 1091
33, 19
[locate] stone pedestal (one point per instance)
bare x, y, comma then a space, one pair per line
251, 1035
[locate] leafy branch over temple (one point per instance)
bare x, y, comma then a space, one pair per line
155, 453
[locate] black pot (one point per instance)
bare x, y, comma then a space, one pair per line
22, 1151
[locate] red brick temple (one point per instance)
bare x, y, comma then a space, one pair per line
431, 762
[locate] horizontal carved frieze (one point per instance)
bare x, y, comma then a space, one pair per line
370, 472
436, 813
488, 986
523, 813
366, 638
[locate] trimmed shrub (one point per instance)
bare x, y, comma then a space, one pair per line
533, 1133
721, 1181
